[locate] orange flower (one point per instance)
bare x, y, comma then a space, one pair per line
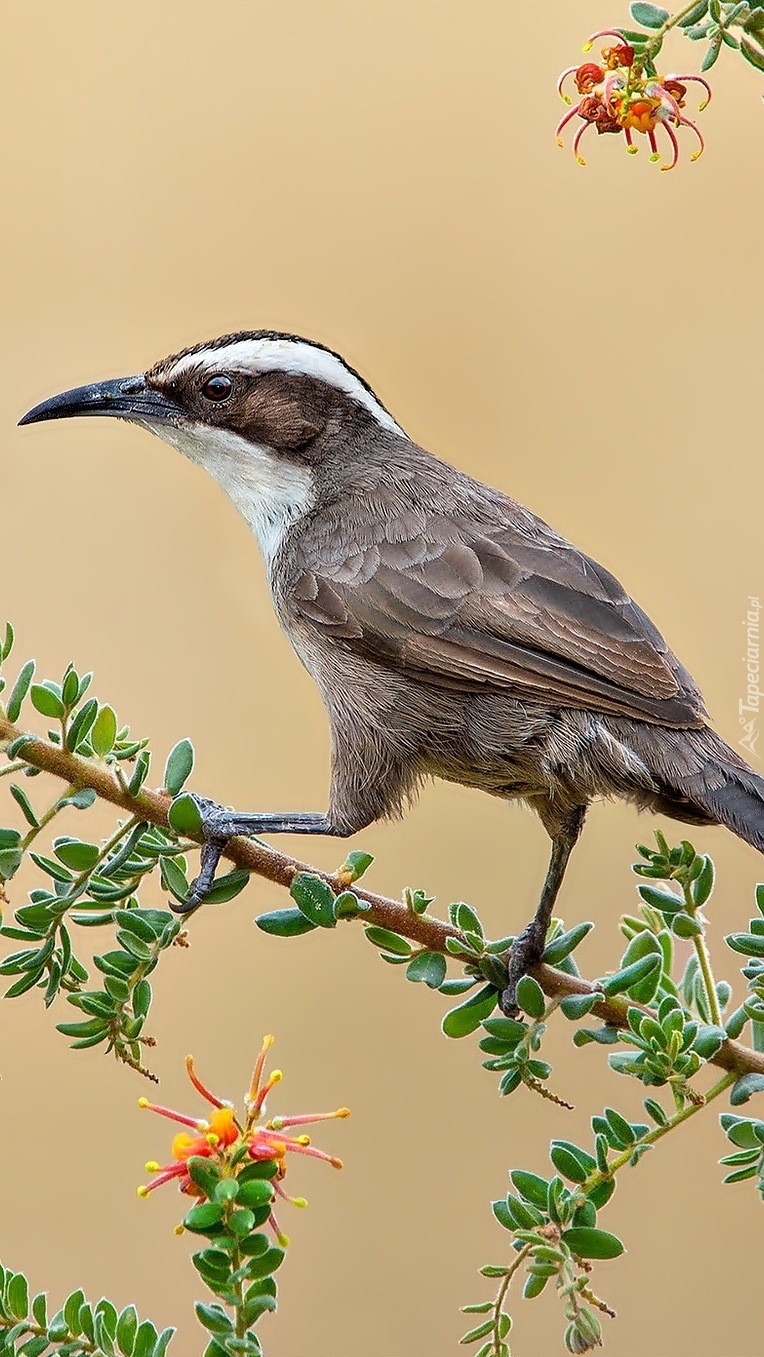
232, 1142
619, 96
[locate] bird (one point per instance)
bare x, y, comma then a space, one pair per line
451, 632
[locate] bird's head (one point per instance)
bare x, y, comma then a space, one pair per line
262, 412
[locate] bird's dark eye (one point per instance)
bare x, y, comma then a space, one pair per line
217, 388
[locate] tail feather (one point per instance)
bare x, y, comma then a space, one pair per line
702, 781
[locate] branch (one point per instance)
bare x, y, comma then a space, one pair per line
267, 862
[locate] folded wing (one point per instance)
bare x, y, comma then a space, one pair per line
505, 605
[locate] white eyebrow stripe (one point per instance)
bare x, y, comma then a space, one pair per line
288, 355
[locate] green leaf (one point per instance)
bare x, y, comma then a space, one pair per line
140, 772
27, 810
703, 884
103, 732
428, 968
748, 944
530, 997
561, 946
314, 899
461, 1021
630, 975
227, 887
347, 905
577, 1006
7, 644
649, 16
255, 1192
141, 999
530, 1186
145, 1340
19, 691
46, 702
479, 1331
81, 857
654, 1110
17, 1296
80, 727
203, 1216
184, 815
714, 48
263, 1264
589, 1243
284, 923
214, 1318
173, 878
509, 1030
571, 1161
356, 863
752, 53
622, 1130
391, 942
668, 902
502, 1214
745, 1087
180, 762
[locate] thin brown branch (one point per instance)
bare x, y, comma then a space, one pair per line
277, 867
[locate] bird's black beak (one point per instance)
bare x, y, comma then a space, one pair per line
124, 397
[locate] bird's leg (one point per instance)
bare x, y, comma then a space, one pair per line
529, 945
219, 825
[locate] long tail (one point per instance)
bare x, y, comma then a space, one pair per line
702, 781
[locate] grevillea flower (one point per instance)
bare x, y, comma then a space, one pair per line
617, 95
231, 1142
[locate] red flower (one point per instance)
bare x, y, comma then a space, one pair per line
620, 97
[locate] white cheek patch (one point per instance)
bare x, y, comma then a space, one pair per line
292, 356
269, 491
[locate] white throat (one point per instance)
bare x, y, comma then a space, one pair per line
268, 490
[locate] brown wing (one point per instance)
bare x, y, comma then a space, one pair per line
482, 606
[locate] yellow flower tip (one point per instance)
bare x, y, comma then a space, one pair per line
300, 1201
143, 1191
275, 1124
212, 1139
276, 1077
632, 150
268, 1041
696, 155
666, 167
303, 1140
282, 1240
342, 1112
566, 99
580, 160
705, 104
179, 1229
561, 143
189, 1062
587, 47
143, 1102
152, 1166
655, 156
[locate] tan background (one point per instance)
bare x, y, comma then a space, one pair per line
383, 177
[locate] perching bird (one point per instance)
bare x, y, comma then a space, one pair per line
451, 632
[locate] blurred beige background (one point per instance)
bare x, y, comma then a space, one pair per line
382, 177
